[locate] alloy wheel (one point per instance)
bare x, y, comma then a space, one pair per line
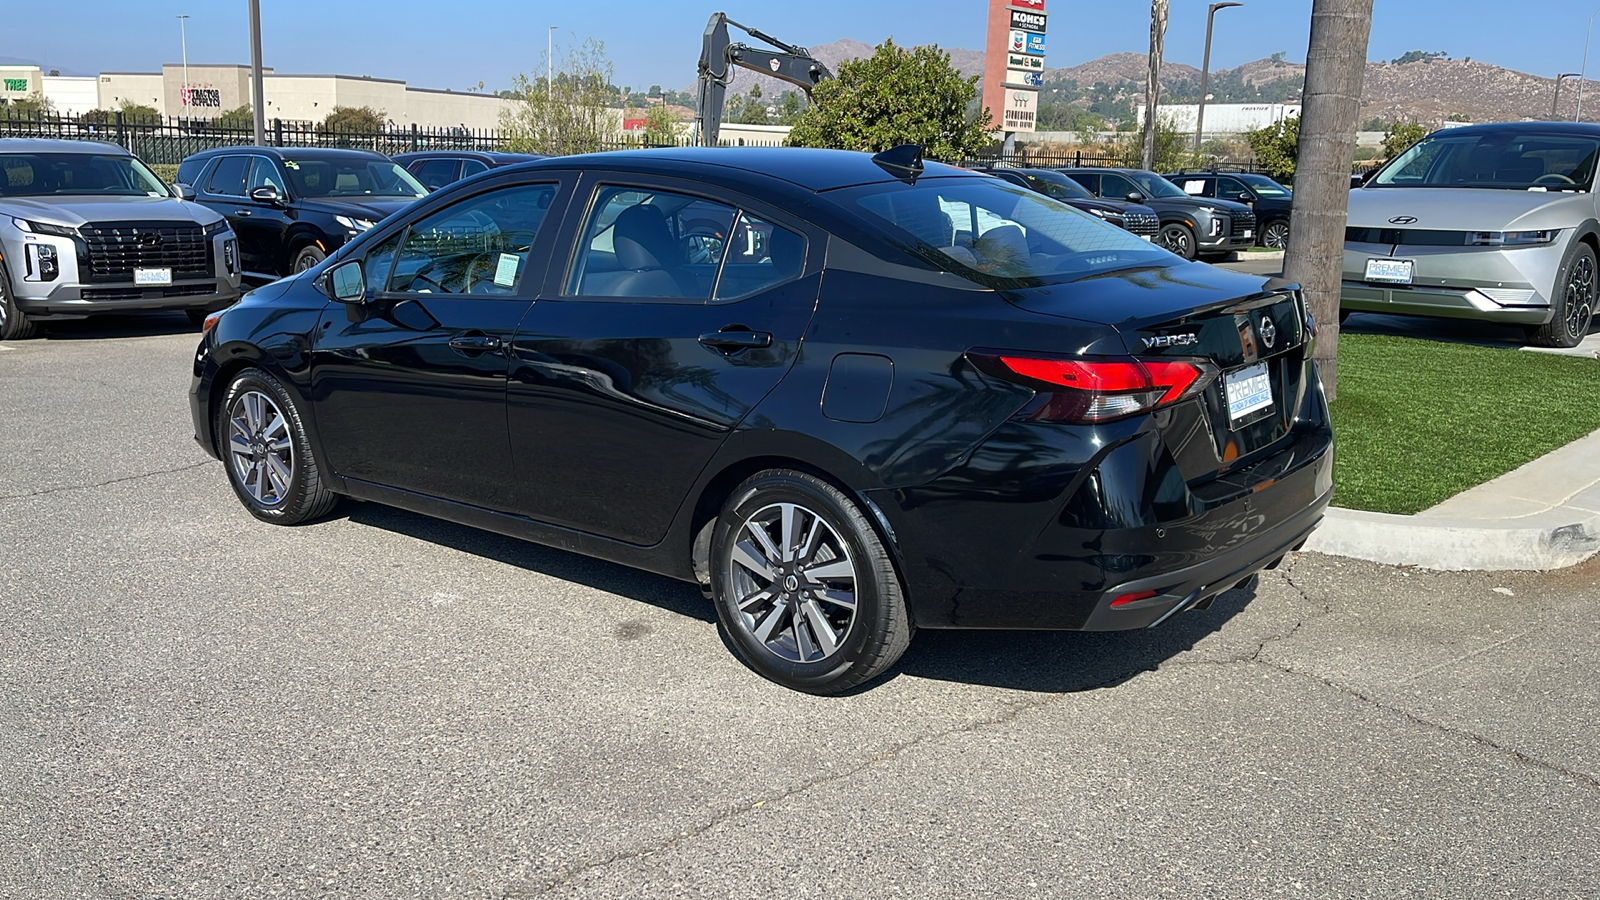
1276, 236
260, 447
1176, 239
794, 582
1580, 297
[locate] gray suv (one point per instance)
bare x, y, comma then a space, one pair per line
1491, 222
87, 228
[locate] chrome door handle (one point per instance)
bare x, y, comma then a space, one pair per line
241, 212
475, 343
734, 341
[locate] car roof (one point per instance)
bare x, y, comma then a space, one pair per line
808, 168
47, 145
1577, 129
305, 153
498, 156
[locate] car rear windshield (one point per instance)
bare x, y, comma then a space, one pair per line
1500, 160
62, 174
350, 178
998, 234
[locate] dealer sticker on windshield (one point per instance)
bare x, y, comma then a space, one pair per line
1249, 390
1391, 271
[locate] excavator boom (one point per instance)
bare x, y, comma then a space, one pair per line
718, 56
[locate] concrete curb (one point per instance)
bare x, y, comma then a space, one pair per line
1455, 545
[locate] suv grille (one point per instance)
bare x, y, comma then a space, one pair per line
1243, 221
1141, 223
115, 249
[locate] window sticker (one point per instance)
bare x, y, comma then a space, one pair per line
291, 164
1194, 187
505, 271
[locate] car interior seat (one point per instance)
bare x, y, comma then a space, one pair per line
648, 255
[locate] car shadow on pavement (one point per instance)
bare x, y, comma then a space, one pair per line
111, 326
1041, 661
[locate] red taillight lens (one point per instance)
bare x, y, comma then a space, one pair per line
1100, 389
1125, 599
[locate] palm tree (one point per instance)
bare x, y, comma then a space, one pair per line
1152, 85
1335, 66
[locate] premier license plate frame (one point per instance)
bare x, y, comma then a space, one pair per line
1249, 394
1391, 271
152, 277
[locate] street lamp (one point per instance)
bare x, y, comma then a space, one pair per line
550, 63
1583, 70
1557, 101
257, 105
1205, 71
184, 38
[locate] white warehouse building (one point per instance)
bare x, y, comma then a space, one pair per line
1222, 118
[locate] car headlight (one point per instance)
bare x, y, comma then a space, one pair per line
1098, 213
45, 228
1218, 224
216, 228
354, 224
1510, 238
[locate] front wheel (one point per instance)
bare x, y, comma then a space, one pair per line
1276, 235
1572, 302
1177, 238
804, 588
268, 456
308, 256
14, 323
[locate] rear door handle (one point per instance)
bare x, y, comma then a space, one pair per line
734, 341
475, 343
241, 212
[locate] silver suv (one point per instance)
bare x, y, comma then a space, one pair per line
87, 228
1492, 222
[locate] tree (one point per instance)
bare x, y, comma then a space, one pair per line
353, 119
896, 96
1169, 153
659, 127
573, 114
139, 113
755, 111
1426, 56
1276, 146
238, 117
34, 106
1335, 66
1400, 135
1152, 85
789, 108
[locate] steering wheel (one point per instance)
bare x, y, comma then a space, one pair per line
1553, 178
482, 267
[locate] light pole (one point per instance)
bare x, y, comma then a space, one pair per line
1557, 101
1205, 72
258, 106
550, 63
1583, 70
183, 37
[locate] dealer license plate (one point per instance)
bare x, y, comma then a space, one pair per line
1249, 390
1391, 271
1249, 233
152, 277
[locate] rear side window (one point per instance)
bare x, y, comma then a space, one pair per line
760, 256
228, 177
477, 246
646, 243
435, 173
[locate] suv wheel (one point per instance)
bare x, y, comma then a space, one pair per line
306, 257
1572, 300
14, 324
1276, 235
804, 589
1178, 238
267, 454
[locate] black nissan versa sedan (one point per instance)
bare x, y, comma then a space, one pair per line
849, 395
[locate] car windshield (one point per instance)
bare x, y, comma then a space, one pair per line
1054, 184
351, 178
1500, 160
62, 174
1154, 185
1264, 186
999, 234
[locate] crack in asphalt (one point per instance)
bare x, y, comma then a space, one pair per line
90, 487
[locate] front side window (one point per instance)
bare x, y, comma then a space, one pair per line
435, 173
479, 245
648, 243
1498, 160
1152, 185
350, 177
264, 174
1117, 188
1000, 235
470, 167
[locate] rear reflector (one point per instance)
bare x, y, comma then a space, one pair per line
1099, 389
1125, 599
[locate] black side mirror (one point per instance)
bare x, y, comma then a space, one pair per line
1135, 197
346, 283
185, 192
267, 194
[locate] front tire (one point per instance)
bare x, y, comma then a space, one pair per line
305, 258
1572, 302
804, 588
264, 447
1177, 238
14, 323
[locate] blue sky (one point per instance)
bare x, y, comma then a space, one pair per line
442, 44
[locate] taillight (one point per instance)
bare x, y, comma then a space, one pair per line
1099, 389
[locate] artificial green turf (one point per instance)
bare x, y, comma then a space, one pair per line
1419, 421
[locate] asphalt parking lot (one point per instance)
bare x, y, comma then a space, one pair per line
194, 705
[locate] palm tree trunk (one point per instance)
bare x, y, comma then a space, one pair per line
1335, 66
1152, 84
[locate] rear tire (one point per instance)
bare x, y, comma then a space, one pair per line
1572, 302
14, 323
804, 589
1276, 235
262, 440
